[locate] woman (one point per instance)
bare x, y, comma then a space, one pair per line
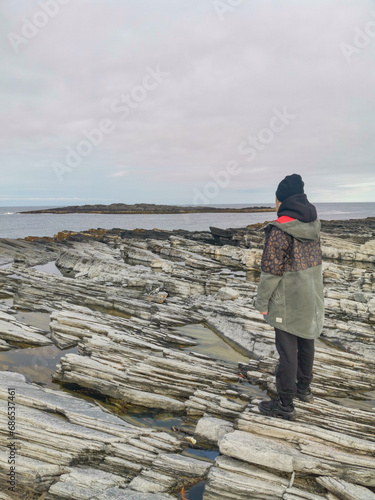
290, 293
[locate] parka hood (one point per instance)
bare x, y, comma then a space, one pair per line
302, 231
298, 217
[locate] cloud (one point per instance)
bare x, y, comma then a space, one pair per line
358, 185
225, 79
121, 173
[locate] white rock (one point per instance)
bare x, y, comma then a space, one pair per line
212, 428
227, 293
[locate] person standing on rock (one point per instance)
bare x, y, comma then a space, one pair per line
290, 293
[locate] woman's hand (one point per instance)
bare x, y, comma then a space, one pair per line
264, 313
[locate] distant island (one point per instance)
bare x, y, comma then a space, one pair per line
144, 208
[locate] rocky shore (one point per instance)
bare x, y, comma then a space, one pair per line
145, 208
154, 361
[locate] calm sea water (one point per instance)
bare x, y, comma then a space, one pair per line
15, 225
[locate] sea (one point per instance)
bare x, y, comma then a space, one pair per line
16, 225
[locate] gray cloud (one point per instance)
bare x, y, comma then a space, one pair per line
225, 79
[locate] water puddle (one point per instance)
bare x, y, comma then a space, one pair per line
216, 346
38, 319
181, 427
51, 268
39, 363
36, 363
357, 404
6, 265
6, 300
144, 417
212, 344
31, 318
208, 454
196, 492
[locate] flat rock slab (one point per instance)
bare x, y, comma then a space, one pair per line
116, 494
258, 450
107, 451
13, 330
75, 409
212, 428
84, 483
345, 490
232, 479
227, 293
308, 458
33, 475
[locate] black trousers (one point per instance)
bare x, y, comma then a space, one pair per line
295, 364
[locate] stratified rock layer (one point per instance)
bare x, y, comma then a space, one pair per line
123, 300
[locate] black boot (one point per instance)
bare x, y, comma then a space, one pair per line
304, 393
278, 408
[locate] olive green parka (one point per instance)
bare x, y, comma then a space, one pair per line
291, 283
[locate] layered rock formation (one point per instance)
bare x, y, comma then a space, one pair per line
124, 300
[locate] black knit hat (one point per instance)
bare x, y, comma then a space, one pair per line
292, 184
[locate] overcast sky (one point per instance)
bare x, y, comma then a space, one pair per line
180, 89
